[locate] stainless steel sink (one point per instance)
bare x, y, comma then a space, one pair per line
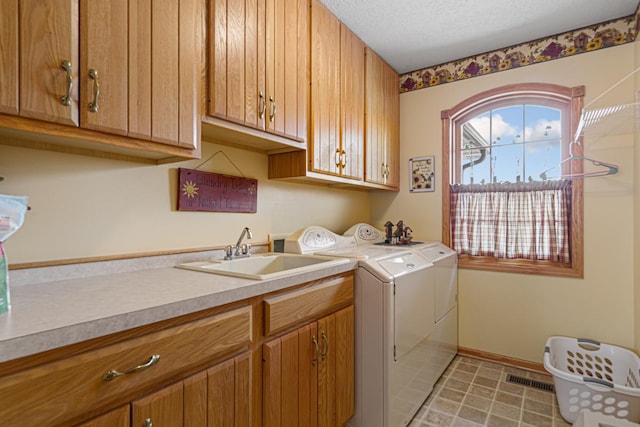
265, 266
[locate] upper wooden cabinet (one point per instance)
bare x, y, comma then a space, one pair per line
131, 71
9, 76
324, 147
382, 111
337, 97
140, 69
352, 93
336, 146
258, 66
49, 61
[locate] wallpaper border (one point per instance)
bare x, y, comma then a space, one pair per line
587, 39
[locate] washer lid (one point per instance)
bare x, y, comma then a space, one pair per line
404, 263
436, 252
365, 253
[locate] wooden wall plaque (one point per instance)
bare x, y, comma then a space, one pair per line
213, 192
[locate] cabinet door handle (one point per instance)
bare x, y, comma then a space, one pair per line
343, 159
148, 423
113, 373
337, 158
66, 99
326, 346
93, 106
273, 109
314, 340
263, 110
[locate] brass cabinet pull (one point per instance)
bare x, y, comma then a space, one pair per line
264, 106
93, 106
113, 373
326, 346
343, 159
148, 423
314, 362
66, 99
337, 158
273, 109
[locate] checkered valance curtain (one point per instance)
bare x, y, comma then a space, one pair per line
514, 221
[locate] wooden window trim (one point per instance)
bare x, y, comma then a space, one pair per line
451, 119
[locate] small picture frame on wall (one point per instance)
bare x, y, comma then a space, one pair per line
422, 174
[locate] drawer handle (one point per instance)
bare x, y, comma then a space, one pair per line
264, 106
272, 115
326, 347
314, 362
93, 106
66, 99
113, 374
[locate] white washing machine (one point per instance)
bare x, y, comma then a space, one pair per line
443, 344
394, 314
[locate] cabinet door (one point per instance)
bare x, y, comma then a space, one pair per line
392, 126
336, 368
164, 71
9, 57
117, 418
49, 36
287, 52
382, 122
163, 408
229, 393
103, 52
237, 87
325, 90
195, 400
290, 379
375, 121
352, 105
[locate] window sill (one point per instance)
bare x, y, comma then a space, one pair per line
541, 268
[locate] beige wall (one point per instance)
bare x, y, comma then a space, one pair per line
86, 207
510, 314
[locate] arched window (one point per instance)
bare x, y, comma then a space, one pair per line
507, 206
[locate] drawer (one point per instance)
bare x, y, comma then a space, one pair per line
64, 390
284, 311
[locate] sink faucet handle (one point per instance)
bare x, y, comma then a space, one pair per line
228, 250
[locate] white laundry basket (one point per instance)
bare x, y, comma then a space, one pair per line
590, 375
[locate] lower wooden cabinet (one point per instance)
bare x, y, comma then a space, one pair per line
218, 396
204, 371
308, 374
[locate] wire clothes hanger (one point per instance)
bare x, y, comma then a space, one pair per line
608, 168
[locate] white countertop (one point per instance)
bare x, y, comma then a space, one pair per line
49, 315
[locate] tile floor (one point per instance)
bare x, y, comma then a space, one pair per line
474, 393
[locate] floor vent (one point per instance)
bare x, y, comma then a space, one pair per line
527, 382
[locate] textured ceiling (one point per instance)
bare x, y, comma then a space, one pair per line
415, 34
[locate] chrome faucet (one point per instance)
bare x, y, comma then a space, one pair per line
240, 250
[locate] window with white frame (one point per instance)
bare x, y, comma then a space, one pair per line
507, 207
